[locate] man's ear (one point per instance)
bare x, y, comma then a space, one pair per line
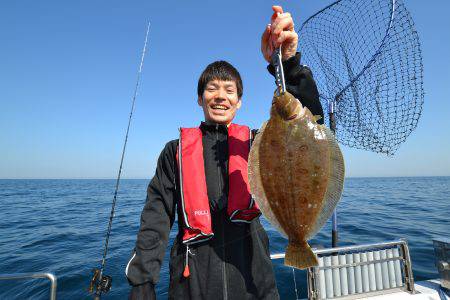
238, 105
200, 101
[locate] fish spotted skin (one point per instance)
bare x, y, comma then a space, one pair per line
289, 168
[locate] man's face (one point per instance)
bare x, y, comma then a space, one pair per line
220, 101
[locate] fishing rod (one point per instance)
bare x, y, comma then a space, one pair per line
100, 282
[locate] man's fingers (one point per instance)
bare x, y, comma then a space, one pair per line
276, 11
266, 43
280, 17
266, 35
280, 32
286, 36
283, 22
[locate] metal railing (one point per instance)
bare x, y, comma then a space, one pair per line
49, 276
333, 260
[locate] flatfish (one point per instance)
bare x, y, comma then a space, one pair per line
296, 175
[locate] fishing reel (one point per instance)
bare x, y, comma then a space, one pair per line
101, 283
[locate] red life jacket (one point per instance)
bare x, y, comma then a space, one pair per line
194, 195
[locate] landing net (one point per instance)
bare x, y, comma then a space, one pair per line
366, 59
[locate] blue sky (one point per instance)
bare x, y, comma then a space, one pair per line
68, 69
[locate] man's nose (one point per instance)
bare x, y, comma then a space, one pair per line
222, 94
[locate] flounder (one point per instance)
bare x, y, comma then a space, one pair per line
296, 175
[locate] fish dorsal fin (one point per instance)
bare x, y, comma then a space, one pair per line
255, 182
317, 117
335, 182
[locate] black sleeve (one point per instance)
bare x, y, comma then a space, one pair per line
300, 83
156, 221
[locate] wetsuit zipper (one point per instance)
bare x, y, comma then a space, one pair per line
224, 271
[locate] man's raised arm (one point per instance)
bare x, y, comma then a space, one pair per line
299, 79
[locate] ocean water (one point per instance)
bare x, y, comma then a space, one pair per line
59, 226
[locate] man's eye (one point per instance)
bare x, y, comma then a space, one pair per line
230, 91
210, 89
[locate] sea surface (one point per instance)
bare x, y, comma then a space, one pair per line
59, 226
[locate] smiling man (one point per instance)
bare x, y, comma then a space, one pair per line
219, 92
221, 250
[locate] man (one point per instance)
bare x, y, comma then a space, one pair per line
221, 250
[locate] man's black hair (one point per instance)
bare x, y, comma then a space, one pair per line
220, 70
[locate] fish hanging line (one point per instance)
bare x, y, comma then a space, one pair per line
100, 282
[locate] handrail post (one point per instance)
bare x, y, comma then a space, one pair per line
409, 278
332, 119
53, 285
49, 276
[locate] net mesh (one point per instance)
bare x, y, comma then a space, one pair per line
366, 59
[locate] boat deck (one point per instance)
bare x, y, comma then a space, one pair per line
429, 290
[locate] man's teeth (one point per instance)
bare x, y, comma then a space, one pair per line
219, 107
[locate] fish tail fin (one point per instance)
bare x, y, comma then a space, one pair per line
300, 255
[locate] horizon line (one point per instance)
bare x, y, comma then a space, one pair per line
140, 178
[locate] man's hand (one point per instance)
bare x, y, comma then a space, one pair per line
280, 31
